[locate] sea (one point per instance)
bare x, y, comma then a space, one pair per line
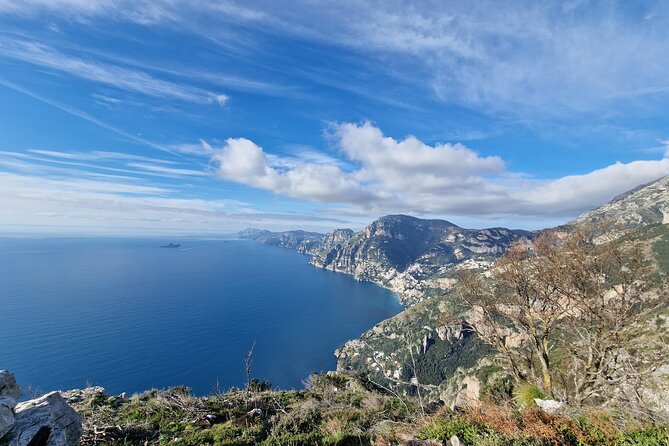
128, 315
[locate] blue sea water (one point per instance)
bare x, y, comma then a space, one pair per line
130, 316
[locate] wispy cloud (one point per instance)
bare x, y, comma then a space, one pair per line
91, 164
100, 123
97, 155
36, 204
104, 73
174, 171
516, 57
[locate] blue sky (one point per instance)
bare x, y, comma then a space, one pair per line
175, 117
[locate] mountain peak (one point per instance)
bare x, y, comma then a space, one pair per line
644, 205
408, 219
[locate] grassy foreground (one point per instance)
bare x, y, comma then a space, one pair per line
341, 410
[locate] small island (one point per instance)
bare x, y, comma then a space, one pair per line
171, 245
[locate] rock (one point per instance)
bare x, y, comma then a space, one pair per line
414, 442
548, 406
8, 385
77, 396
248, 418
9, 395
45, 421
455, 441
468, 396
212, 419
6, 414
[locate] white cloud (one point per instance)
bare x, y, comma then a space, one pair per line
35, 204
410, 176
173, 171
518, 57
410, 164
242, 161
220, 99
104, 73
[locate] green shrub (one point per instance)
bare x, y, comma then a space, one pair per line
444, 428
525, 393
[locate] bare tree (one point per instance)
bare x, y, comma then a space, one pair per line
577, 294
248, 362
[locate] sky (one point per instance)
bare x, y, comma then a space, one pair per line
206, 117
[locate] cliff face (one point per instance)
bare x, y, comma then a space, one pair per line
414, 257
448, 364
303, 241
645, 205
331, 242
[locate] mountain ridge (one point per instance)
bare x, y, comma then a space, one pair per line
432, 332
413, 257
643, 205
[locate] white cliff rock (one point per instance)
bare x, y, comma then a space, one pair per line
45, 421
8, 385
9, 394
548, 406
6, 414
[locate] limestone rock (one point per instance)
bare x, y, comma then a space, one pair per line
77, 396
6, 414
8, 385
548, 406
469, 393
9, 394
644, 205
45, 421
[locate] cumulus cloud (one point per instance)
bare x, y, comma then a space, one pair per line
411, 165
242, 161
389, 175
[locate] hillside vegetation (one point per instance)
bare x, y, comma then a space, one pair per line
339, 410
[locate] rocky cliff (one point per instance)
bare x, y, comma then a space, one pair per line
414, 257
642, 206
451, 366
303, 241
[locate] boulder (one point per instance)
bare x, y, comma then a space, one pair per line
8, 387
548, 406
9, 395
6, 414
44, 421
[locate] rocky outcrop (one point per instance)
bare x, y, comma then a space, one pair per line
303, 241
331, 243
549, 406
77, 396
414, 257
6, 415
645, 205
44, 421
8, 387
9, 395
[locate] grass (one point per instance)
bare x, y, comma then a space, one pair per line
339, 409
